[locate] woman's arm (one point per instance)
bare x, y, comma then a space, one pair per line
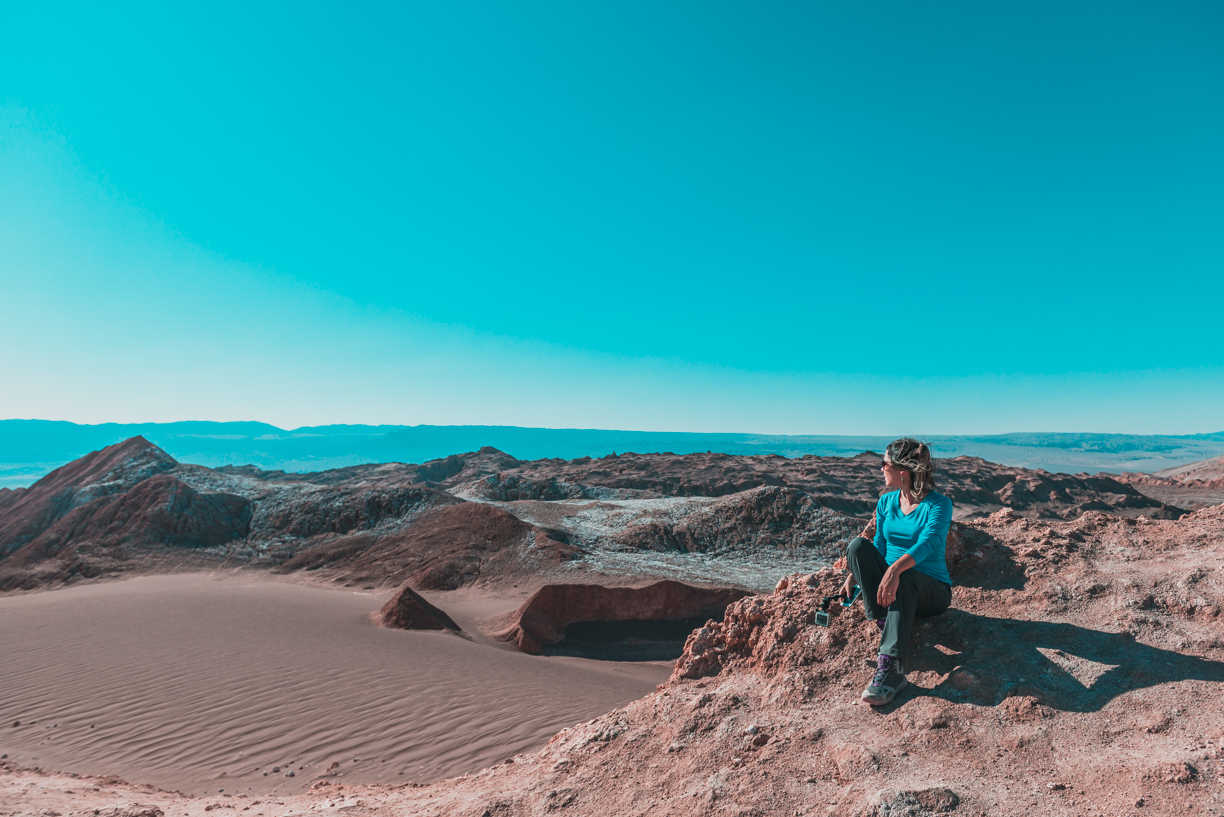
934, 530
887, 593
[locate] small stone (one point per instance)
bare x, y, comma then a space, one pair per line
16, 724
1140, 803
1056, 786
276, 768
752, 730
290, 773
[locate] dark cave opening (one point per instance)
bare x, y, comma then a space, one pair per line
634, 640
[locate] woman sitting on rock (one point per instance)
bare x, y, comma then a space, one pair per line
903, 572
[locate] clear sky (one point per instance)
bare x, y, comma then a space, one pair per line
953, 217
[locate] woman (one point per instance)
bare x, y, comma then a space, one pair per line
903, 572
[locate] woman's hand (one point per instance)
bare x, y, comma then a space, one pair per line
887, 593
847, 586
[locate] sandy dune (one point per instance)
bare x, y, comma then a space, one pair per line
203, 682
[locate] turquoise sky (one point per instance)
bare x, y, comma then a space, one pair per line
778, 218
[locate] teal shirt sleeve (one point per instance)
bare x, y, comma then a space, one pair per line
934, 531
881, 544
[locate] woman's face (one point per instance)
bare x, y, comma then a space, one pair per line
893, 476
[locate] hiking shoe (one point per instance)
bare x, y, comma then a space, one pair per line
888, 681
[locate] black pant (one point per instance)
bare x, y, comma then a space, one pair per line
917, 594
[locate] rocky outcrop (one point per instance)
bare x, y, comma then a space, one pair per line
756, 520
849, 486
543, 619
8, 496
338, 510
513, 488
408, 611
103, 473
388, 523
98, 537
446, 472
443, 550
1202, 470
1193, 486
94, 515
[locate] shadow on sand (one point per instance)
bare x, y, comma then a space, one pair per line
1062, 666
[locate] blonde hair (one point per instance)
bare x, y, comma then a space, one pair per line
915, 457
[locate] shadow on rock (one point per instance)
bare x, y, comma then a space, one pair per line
988, 660
977, 559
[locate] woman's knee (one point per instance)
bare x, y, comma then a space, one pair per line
856, 546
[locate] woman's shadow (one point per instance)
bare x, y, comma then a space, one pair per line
1074, 669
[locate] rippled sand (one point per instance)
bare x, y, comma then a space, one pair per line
199, 683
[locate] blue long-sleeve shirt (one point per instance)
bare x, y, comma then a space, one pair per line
922, 534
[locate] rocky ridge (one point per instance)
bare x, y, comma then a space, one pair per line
720, 519
1193, 486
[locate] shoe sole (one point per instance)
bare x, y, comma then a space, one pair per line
890, 699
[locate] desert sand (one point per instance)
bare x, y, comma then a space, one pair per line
206, 682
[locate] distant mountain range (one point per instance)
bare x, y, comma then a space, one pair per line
30, 449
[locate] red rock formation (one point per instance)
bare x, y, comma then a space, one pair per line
1202, 470
543, 618
848, 485
1193, 486
756, 520
388, 523
100, 535
408, 611
110, 471
443, 550
8, 496
342, 510
93, 515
